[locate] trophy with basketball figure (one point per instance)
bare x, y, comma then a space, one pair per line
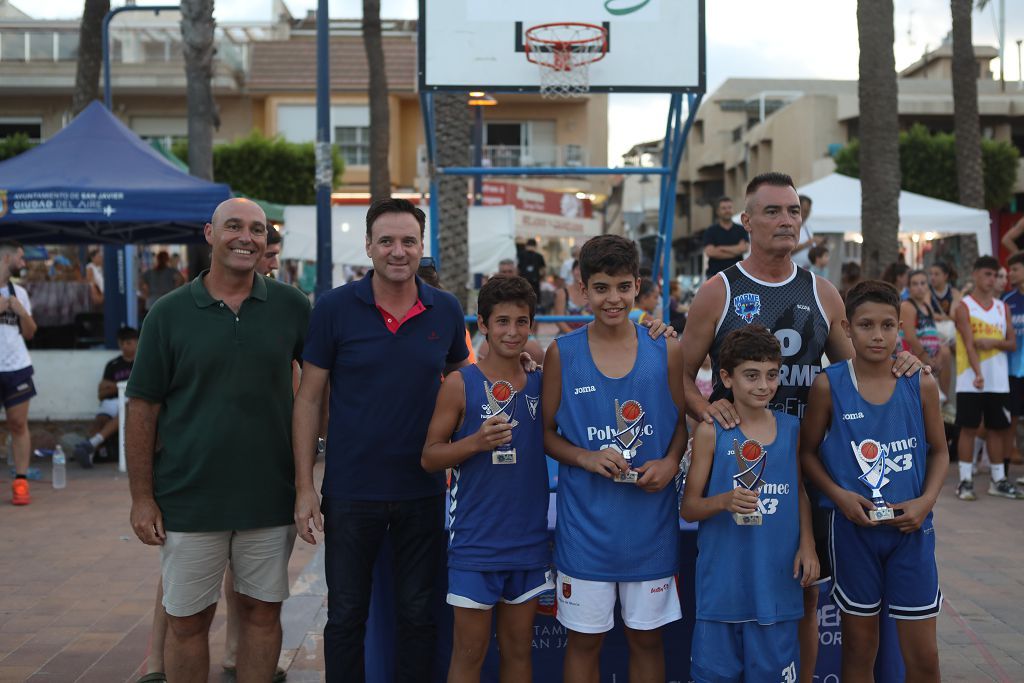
629, 425
501, 399
873, 470
751, 459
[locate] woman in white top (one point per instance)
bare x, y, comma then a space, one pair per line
94, 276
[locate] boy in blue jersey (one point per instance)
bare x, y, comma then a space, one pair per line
487, 428
882, 461
614, 420
750, 576
1014, 300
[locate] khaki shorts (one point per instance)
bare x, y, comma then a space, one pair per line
193, 566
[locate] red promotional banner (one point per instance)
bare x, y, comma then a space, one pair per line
564, 204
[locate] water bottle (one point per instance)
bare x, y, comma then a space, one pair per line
59, 468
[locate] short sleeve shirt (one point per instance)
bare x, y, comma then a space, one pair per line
13, 351
718, 236
383, 388
118, 370
224, 384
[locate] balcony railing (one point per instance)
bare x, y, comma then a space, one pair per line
503, 156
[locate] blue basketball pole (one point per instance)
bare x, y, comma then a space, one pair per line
324, 162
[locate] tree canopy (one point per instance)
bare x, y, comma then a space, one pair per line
928, 165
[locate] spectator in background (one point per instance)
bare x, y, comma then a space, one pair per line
271, 260
725, 242
920, 333
568, 265
818, 258
806, 241
160, 279
569, 300
1014, 300
1013, 240
94, 276
898, 274
1001, 282
942, 281
106, 423
646, 302
532, 265
16, 387
848, 277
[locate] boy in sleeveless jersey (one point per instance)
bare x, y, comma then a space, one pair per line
486, 427
750, 578
984, 335
614, 420
1014, 301
873, 427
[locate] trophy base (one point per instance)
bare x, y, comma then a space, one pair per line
627, 478
750, 519
881, 514
503, 457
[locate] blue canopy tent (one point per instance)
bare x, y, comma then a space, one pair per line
97, 182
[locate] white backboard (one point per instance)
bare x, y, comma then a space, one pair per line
653, 45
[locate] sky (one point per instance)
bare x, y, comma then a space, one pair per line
745, 39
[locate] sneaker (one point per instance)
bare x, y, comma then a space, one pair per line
84, 453
1020, 481
19, 492
1005, 489
965, 490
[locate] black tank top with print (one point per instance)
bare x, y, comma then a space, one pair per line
792, 311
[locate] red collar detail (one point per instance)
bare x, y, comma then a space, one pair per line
393, 323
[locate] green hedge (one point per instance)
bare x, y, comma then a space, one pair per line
14, 145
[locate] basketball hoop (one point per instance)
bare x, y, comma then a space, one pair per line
564, 52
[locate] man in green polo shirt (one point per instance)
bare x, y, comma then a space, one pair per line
212, 379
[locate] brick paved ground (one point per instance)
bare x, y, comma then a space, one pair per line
77, 588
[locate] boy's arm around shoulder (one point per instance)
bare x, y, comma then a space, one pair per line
916, 511
606, 463
657, 474
440, 451
696, 506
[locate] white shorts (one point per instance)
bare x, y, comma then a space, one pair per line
109, 407
589, 606
193, 566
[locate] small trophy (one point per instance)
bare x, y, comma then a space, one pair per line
872, 465
751, 458
501, 399
629, 425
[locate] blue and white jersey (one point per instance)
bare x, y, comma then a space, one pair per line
498, 513
896, 429
607, 531
745, 573
1015, 302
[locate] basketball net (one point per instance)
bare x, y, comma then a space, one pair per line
564, 53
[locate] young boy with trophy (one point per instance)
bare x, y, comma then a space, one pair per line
486, 427
753, 564
874, 444
613, 418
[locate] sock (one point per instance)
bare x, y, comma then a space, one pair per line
966, 473
21, 476
999, 472
95, 440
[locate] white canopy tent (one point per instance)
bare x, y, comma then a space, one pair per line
836, 209
491, 236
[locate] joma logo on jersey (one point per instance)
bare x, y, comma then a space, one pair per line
608, 433
853, 416
747, 306
584, 390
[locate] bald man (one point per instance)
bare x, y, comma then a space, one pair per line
213, 377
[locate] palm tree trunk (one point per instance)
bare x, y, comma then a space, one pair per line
879, 137
453, 141
90, 55
197, 32
380, 175
970, 178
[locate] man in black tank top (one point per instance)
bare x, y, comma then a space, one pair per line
804, 311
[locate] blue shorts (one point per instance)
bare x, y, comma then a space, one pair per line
871, 564
725, 652
483, 590
16, 387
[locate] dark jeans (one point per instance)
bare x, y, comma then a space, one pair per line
354, 531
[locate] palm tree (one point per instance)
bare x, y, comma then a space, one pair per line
879, 137
197, 32
90, 55
453, 141
380, 176
970, 177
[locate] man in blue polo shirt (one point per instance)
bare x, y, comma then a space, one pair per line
384, 342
